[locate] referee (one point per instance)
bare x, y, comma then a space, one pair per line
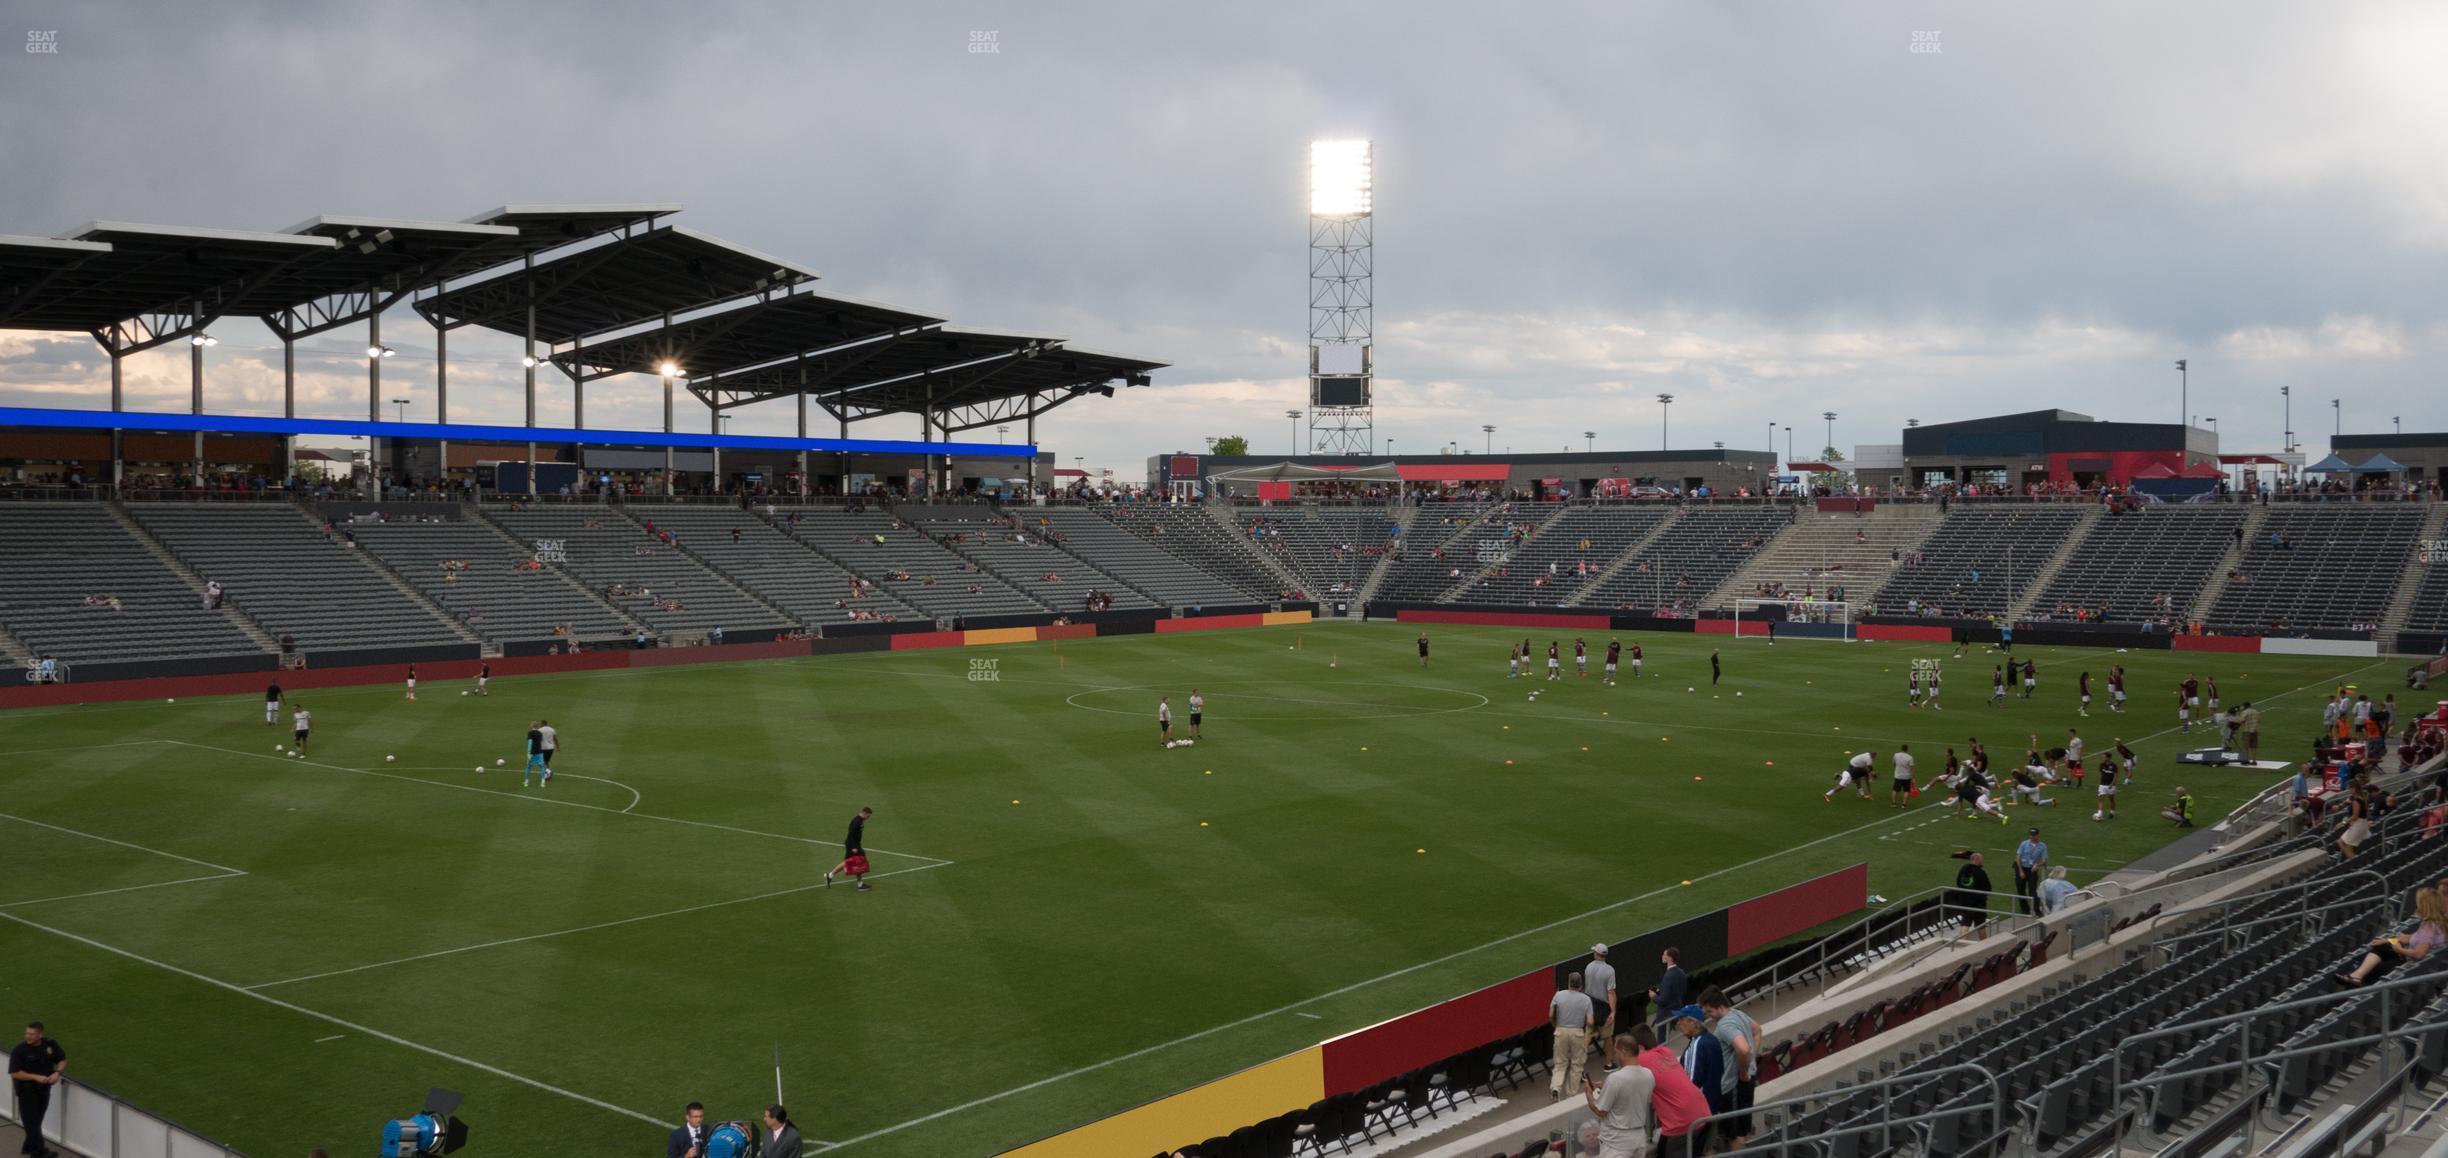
35, 1067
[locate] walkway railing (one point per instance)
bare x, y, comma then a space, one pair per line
90, 1121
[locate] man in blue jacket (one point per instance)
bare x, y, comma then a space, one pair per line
1703, 1056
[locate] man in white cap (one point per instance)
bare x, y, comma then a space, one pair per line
1598, 980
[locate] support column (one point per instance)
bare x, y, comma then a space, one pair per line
442, 396
289, 401
667, 429
374, 445
926, 433
844, 415
714, 420
195, 385
530, 362
804, 488
118, 403
1029, 436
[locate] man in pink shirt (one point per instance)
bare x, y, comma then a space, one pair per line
1676, 1102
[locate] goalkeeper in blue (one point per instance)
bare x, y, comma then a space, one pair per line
535, 755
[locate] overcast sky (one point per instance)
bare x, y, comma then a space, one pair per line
1768, 209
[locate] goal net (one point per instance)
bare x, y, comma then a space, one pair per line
1818, 618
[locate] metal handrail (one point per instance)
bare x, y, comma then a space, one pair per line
2263, 895
2118, 1086
2229, 928
1887, 1122
1774, 979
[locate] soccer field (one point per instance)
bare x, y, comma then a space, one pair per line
1067, 919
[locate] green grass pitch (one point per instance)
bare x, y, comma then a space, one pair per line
1069, 920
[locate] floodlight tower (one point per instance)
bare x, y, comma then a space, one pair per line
1341, 299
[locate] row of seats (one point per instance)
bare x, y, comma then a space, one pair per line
1564, 556
1199, 540
2332, 566
61, 554
657, 583
1448, 542
277, 567
1690, 557
2144, 564
1136, 561
758, 555
1024, 559
1982, 559
942, 583
494, 593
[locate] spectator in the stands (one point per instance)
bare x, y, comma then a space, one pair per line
1570, 1012
1623, 1104
1740, 1036
1675, 1102
1667, 994
1703, 1056
2390, 950
2056, 890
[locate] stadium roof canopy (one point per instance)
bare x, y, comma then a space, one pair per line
740, 333
648, 275
137, 286
987, 376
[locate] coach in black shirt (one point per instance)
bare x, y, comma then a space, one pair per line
34, 1067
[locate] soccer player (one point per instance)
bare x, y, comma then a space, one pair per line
1900, 787
1580, 658
1912, 689
2212, 689
2107, 790
1984, 804
1164, 721
1636, 661
1198, 707
2082, 684
2116, 687
855, 844
549, 742
2184, 711
1997, 686
412, 681
1423, 649
2006, 638
1855, 775
484, 675
2192, 691
535, 754
1714, 670
301, 722
1930, 695
272, 703
2074, 757
2124, 758
1555, 661
1513, 661
2028, 781
2031, 679
1614, 656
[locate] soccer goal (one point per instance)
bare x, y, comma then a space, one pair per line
1817, 615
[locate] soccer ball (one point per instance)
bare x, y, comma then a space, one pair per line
173, 700
388, 759
1170, 743
280, 747
1187, 743
1738, 695
463, 693
498, 761
297, 755
1688, 689
480, 769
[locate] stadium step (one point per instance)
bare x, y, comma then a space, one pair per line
1385, 563
477, 515
254, 631
1637, 548
1817, 550
2401, 605
2217, 586
1545, 521
716, 573
2048, 571
1223, 517
408, 591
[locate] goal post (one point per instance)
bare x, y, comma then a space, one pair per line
1819, 618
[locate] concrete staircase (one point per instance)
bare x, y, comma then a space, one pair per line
1634, 551
1471, 577
254, 631
2208, 596
1223, 517
2048, 570
2401, 606
1368, 586
476, 514
707, 565
1820, 550
406, 589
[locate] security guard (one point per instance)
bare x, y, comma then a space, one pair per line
35, 1067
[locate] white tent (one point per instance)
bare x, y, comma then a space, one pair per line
1295, 472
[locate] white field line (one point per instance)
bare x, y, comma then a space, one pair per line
539, 799
301, 1010
123, 889
580, 929
223, 869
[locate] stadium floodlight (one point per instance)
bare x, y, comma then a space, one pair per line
203, 340
380, 351
669, 369
1339, 178
530, 361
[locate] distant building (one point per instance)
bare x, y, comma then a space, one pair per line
1548, 475
2424, 456
2051, 447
